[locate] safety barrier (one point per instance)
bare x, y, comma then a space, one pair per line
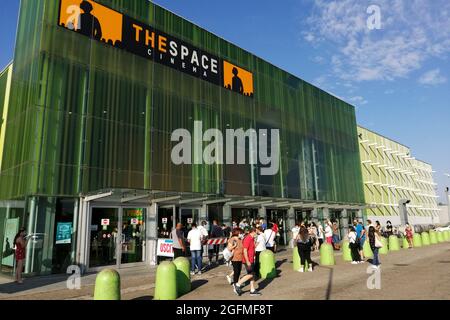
433, 237
166, 281
425, 238
183, 275
346, 251
327, 255
417, 240
267, 267
367, 250
385, 248
394, 244
107, 285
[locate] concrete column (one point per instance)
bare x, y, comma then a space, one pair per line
203, 213
152, 234
262, 212
315, 215
360, 215
344, 222
290, 219
227, 215
326, 213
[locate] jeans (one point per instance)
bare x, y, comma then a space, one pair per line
376, 260
196, 259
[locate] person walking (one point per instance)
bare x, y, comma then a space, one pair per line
216, 232
275, 229
21, 242
195, 244
320, 234
304, 244
248, 245
354, 245
234, 246
270, 234
409, 235
260, 247
375, 245
179, 246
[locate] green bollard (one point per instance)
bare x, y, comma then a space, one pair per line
107, 285
267, 268
446, 235
425, 239
346, 251
327, 255
405, 243
433, 237
384, 249
440, 237
166, 281
394, 244
367, 250
183, 275
417, 240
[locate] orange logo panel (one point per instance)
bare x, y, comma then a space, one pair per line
237, 79
92, 19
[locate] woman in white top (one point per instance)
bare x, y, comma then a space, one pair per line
260, 247
270, 238
354, 245
328, 232
320, 234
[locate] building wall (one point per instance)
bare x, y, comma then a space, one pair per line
91, 116
390, 174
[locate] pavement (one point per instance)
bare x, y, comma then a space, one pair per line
417, 274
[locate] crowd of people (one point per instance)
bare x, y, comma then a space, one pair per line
247, 239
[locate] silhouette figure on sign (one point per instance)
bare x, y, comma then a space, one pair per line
237, 82
89, 25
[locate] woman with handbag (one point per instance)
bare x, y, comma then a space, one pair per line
375, 245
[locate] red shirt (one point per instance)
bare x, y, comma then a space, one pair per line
249, 244
275, 228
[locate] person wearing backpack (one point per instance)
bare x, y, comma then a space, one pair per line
304, 244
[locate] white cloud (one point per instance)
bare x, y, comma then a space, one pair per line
432, 77
358, 100
413, 31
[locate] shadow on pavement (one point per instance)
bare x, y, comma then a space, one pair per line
444, 261
146, 298
330, 285
401, 265
198, 283
280, 263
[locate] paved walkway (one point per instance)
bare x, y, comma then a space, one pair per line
422, 273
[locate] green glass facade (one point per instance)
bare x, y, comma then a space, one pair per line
85, 116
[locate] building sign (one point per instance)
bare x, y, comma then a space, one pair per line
105, 222
63, 232
165, 248
134, 222
111, 27
164, 220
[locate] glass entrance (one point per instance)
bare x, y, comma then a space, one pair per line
279, 217
187, 216
116, 239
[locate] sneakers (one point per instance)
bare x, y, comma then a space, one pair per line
229, 279
255, 293
354, 262
310, 269
301, 269
237, 290
192, 273
199, 273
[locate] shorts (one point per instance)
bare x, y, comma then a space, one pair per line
250, 270
361, 243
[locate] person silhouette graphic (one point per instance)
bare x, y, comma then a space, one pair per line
237, 85
89, 25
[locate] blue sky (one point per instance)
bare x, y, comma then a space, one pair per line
397, 76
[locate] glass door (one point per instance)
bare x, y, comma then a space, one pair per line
187, 216
116, 239
105, 235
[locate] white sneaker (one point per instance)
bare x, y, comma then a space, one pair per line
230, 281
301, 269
199, 273
354, 262
310, 269
362, 261
192, 273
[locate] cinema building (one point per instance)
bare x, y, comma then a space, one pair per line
89, 106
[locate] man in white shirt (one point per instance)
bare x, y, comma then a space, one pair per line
195, 244
204, 232
270, 235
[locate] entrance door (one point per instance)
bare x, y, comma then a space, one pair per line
116, 239
279, 217
187, 216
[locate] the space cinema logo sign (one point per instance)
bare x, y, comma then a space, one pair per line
109, 26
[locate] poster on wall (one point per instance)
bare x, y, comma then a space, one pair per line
11, 229
64, 233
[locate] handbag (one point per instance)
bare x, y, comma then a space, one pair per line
378, 243
227, 254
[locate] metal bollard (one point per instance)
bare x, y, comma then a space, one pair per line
267, 268
166, 281
107, 285
327, 255
183, 275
